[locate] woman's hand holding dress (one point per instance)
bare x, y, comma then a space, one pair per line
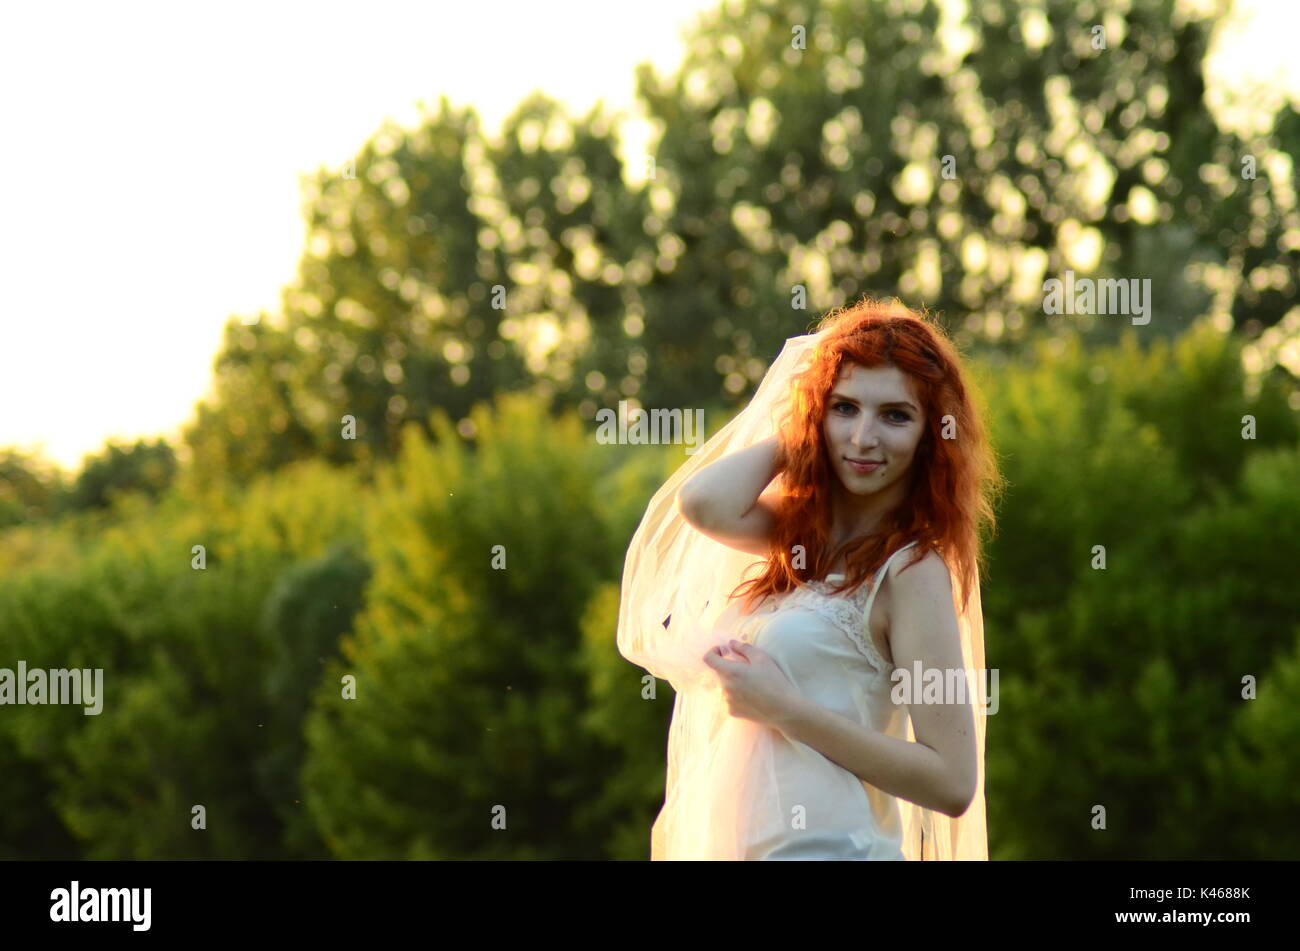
753, 685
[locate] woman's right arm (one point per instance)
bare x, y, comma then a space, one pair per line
723, 500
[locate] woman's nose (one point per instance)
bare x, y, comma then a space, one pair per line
865, 436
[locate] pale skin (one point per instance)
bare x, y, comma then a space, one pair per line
873, 414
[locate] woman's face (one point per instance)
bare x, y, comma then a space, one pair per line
873, 414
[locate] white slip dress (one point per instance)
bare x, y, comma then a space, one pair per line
760, 795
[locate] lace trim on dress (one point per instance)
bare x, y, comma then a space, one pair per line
845, 611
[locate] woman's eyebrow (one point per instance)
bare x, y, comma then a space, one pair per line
849, 399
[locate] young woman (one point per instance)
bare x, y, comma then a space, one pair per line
800, 726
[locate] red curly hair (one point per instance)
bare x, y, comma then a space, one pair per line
954, 482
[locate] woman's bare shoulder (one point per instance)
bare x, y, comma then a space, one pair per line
928, 578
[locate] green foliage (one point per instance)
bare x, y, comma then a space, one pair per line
884, 154
311, 608
147, 467
467, 690
1120, 687
481, 685
1252, 779
184, 654
30, 487
629, 714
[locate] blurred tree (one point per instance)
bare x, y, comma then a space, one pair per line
393, 313
251, 423
311, 607
886, 146
468, 698
1142, 566
30, 829
627, 714
630, 713
147, 467
188, 716
822, 149
31, 487
1252, 778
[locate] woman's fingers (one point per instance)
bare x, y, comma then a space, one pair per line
719, 656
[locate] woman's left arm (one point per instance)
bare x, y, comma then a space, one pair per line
939, 770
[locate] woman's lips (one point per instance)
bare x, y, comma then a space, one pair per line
864, 468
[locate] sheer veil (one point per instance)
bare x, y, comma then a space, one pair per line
675, 585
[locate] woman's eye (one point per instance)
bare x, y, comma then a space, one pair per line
897, 416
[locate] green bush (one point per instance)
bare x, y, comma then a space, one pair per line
311, 608
184, 653
468, 688
1120, 687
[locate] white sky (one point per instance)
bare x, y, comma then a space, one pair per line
149, 174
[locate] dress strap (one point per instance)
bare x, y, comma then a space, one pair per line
880, 577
